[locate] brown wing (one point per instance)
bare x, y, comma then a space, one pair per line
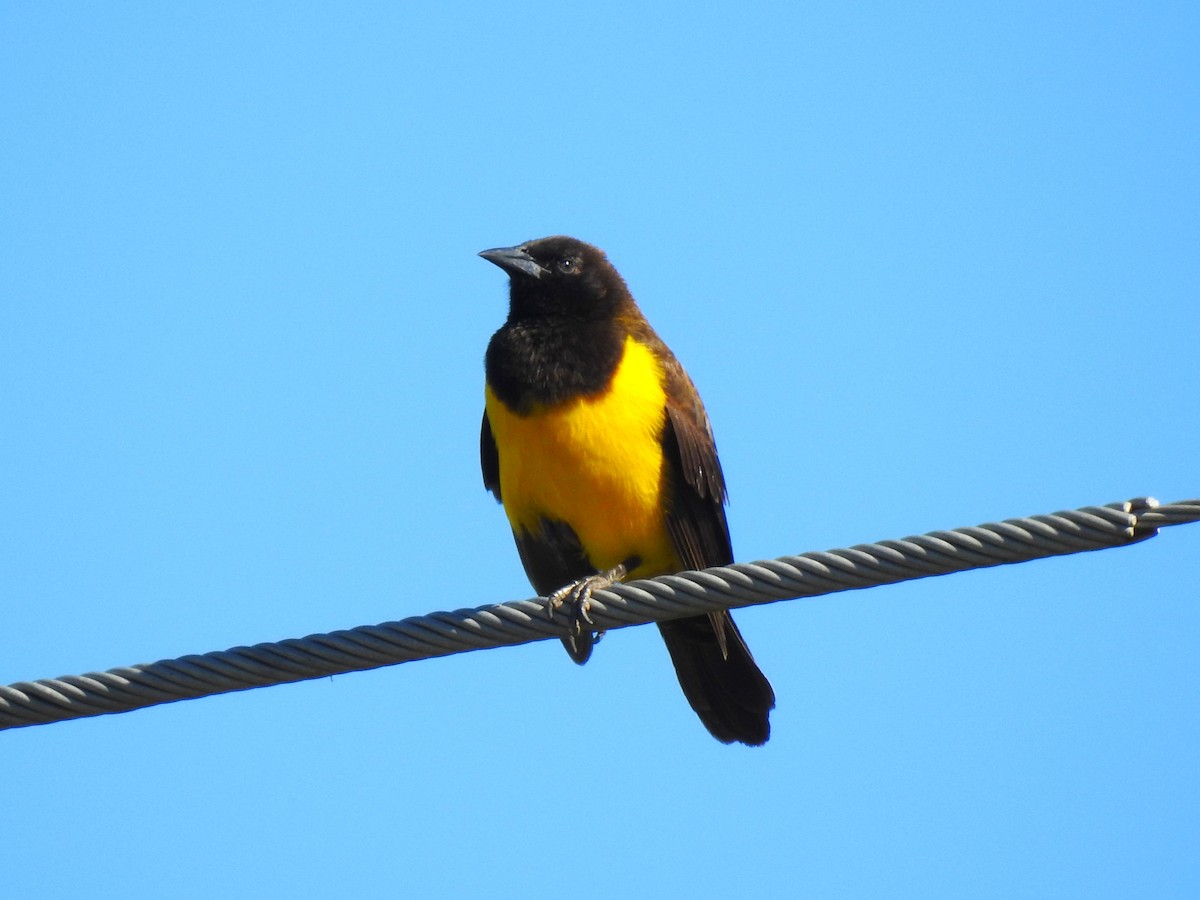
696, 493
695, 484
718, 675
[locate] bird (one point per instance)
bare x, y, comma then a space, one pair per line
596, 442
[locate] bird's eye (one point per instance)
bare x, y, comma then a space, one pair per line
566, 265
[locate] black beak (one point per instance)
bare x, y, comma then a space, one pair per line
514, 260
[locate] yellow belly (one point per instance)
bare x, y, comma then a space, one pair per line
594, 463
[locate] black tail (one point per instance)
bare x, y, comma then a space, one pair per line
730, 694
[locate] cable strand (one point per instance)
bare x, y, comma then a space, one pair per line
812, 574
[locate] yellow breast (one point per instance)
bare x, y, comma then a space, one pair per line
595, 463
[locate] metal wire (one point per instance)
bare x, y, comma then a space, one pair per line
523, 621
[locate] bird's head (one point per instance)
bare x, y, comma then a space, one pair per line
557, 277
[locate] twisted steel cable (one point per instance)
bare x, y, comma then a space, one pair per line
523, 621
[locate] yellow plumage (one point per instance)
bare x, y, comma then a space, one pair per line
595, 463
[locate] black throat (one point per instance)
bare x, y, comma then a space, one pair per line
547, 360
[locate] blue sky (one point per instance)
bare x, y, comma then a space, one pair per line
929, 264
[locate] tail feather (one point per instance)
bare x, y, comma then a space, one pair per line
727, 690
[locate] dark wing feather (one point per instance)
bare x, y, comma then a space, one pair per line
718, 675
695, 483
696, 491
489, 457
698, 450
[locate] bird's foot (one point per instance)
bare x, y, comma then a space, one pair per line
579, 639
